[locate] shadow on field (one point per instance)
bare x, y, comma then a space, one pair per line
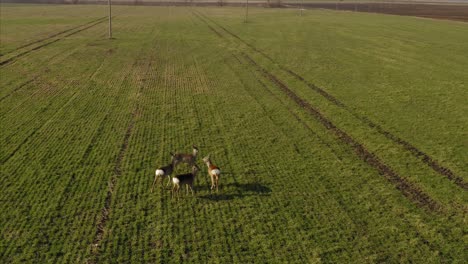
242, 189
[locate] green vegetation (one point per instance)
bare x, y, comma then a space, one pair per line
86, 121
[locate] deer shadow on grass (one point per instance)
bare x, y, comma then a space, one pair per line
240, 190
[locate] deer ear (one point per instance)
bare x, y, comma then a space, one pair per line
172, 154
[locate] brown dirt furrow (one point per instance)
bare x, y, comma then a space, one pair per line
428, 160
17, 56
408, 189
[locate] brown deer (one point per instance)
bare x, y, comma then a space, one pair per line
184, 179
161, 172
189, 159
213, 171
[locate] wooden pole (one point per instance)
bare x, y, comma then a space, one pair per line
246, 11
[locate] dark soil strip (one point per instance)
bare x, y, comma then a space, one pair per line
409, 190
14, 58
432, 10
429, 161
454, 11
51, 36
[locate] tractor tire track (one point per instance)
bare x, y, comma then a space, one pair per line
101, 224
97, 135
424, 157
406, 188
49, 37
117, 173
27, 138
307, 127
429, 161
17, 56
19, 88
409, 190
105, 211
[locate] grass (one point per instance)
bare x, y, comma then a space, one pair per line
86, 121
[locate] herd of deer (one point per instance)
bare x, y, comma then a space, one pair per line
187, 179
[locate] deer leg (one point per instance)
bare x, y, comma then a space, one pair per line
169, 180
174, 190
154, 182
212, 182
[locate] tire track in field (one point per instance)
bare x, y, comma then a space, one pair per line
28, 137
49, 37
339, 202
417, 233
19, 87
424, 157
104, 217
101, 224
42, 71
97, 135
17, 56
105, 211
408, 189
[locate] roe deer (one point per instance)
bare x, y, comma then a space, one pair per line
189, 159
161, 172
213, 171
184, 179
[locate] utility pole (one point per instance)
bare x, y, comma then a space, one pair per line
246, 11
302, 6
110, 18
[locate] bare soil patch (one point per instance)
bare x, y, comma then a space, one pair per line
437, 11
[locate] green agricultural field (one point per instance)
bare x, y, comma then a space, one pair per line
341, 137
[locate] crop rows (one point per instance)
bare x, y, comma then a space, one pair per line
45, 42
407, 188
301, 174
